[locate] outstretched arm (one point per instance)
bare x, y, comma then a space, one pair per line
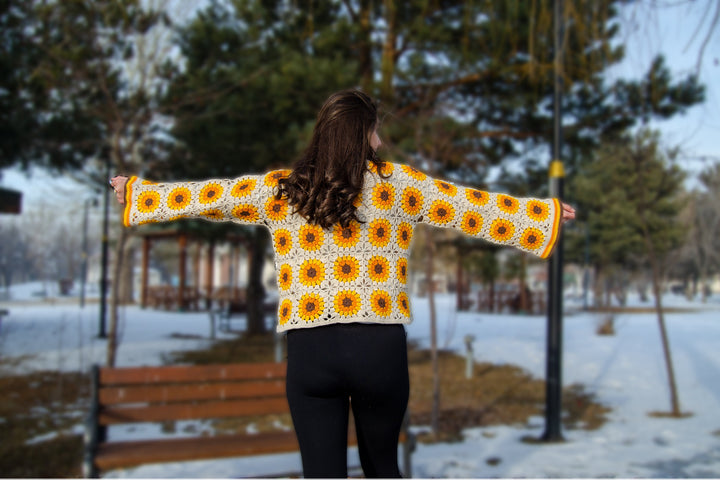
530, 224
244, 199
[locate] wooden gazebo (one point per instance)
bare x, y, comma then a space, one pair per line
202, 293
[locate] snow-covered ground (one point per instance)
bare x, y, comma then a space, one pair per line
626, 372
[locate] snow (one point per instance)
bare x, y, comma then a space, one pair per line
625, 372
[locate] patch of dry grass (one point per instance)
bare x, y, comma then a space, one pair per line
494, 395
45, 403
38, 413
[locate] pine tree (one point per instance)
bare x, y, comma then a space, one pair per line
631, 196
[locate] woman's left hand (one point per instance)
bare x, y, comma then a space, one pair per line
118, 184
568, 212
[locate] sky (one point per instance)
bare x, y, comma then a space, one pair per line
678, 31
645, 31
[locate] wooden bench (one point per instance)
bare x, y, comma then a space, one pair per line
173, 393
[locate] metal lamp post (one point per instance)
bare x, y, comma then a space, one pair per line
553, 379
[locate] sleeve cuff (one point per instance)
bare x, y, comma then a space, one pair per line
555, 230
128, 201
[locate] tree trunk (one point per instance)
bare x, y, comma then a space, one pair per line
429, 273
597, 286
126, 279
256, 291
524, 297
387, 61
365, 64
657, 292
112, 343
459, 289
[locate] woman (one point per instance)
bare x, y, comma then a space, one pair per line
342, 221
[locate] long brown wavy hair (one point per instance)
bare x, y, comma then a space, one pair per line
327, 179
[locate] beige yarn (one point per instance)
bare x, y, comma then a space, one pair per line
358, 274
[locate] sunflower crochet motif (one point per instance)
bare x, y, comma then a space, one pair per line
357, 273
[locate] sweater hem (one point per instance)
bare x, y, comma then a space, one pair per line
285, 328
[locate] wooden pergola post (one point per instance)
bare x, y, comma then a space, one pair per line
145, 265
210, 260
196, 270
182, 243
460, 301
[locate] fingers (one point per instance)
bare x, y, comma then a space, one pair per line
568, 212
117, 183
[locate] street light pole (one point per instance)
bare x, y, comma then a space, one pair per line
83, 278
104, 259
553, 379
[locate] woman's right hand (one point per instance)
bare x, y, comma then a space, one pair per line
118, 184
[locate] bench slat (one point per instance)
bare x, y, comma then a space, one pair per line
195, 373
216, 409
184, 393
127, 454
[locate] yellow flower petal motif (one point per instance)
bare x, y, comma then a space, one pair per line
537, 210
145, 222
441, 212
271, 178
148, 202
507, 204
346, 269
285, 277
476, 197
502, 230
383, 196
414, 173
284, 311
472, 223
243, 188
210, 193
531, 238
386, 168
401, 270
403, 303
311, 306
213, 214
447, 188
381, 303
411, 201
347, 303
312, 273
311, 237
378, 269
283, 241
246, 212
379, 232
179, 198
404, 235
148, 182
346, 237
275, 209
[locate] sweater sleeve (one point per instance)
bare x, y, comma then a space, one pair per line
245, 200
529, 224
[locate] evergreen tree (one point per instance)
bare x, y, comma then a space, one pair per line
254, 77
630, 198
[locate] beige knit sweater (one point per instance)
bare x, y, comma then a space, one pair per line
355, 274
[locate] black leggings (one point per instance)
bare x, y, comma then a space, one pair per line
333, 368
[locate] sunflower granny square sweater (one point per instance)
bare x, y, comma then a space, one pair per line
359, 273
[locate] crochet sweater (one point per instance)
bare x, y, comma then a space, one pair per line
359, 273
